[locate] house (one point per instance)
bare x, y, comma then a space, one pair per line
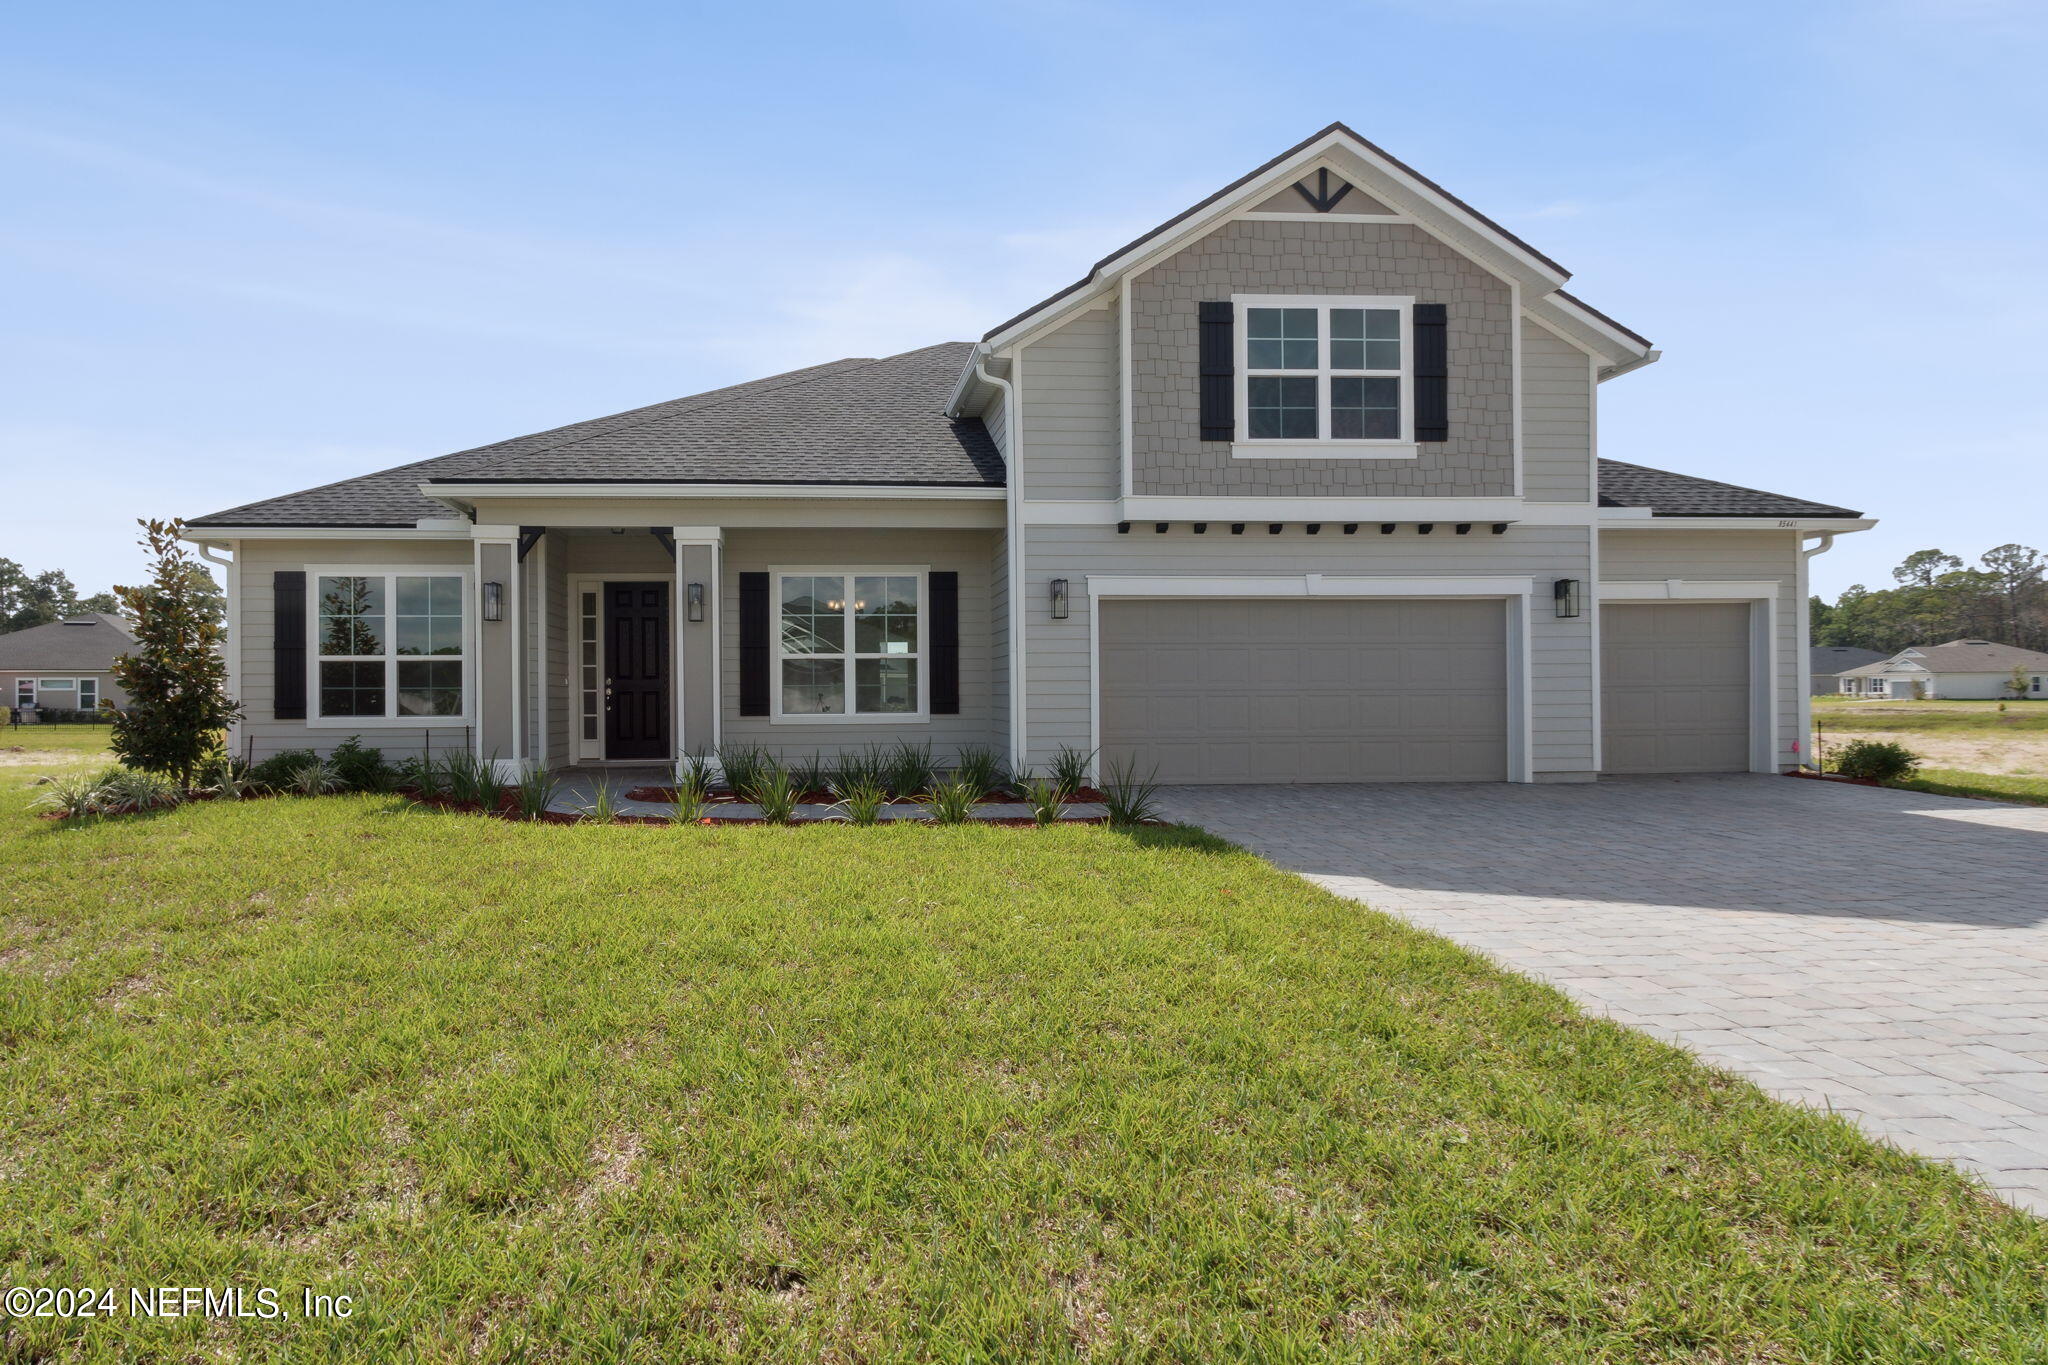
66, 665
1828, 661
1299, 486
1960, 670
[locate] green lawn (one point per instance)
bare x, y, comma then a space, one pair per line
2019, 717
2029, 790
946, 1094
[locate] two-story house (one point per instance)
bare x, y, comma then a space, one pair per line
1302, 485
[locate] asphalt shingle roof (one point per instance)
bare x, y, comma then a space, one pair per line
1831, 660
878, 422
858, 421
1964, 656
1684, 495
78, 644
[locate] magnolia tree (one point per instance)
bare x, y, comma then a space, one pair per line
176, 676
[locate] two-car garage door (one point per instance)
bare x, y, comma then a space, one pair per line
1261, 690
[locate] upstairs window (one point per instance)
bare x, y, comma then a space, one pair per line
1331, 371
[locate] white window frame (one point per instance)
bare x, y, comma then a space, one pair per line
1322, 447
470, 611
922, 715
55, 685
24, 691
80, 686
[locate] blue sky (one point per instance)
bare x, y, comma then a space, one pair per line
251, 248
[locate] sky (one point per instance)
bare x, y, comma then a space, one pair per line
251, 248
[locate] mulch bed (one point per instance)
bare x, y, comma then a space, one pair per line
821, 797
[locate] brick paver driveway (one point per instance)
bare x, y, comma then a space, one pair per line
1880, 952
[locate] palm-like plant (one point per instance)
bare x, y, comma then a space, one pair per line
774, 793
860, 802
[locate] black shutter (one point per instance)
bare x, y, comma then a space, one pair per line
1219, 380
753, 644
1432, 374
945, 661
288, 644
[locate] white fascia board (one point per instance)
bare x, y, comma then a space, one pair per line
215, 534
769, 491
1301, 585
1263, 187
1617, 351
1630, 522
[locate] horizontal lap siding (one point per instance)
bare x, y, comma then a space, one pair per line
1736, 556
1057, 663
257, 561
967, 553
1557, 418
1070, 417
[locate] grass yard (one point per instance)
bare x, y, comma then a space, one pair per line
1971, 748
947, 1094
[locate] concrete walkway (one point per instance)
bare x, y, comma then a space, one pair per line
1878, 952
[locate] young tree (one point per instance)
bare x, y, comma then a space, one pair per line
176, 678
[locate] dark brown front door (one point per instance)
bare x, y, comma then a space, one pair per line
636, 666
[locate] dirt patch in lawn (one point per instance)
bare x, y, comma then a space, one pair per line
2022, 754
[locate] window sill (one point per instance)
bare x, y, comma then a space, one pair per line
382, 722
1323, 450
841, 718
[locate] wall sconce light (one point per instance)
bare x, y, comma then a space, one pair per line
494, 601
1059, 599
696, 601
1564, 595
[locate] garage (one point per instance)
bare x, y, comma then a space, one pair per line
1675, 687
1260, 690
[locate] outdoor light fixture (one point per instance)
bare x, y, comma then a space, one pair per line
1564, 594
696, 601
494, 601
1059, 599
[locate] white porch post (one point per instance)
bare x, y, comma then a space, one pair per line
500, 731
699, 563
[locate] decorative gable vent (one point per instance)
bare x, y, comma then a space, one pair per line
1325, 196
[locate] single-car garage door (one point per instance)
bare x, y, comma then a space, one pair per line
1674, 687
1253, 690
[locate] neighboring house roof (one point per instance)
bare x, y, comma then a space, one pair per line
859, 421
1683, 495
1832, 660
86, 643
1962, 656
867, 422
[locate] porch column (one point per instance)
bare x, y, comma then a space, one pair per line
699, 555
496, 688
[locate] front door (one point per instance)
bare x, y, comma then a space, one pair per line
636, 666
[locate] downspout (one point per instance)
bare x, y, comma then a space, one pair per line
1827, 542
1013, 533
231, 582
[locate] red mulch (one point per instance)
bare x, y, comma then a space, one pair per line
826, 798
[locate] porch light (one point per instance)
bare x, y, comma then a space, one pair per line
696, 601
494, 601
1564, 595
1059, 599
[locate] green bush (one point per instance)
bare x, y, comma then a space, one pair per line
1878, 760
278, 772
361, 769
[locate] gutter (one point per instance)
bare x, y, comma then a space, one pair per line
1013, 484
1805, 637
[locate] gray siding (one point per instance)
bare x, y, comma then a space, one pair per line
1071, 435
552, 633
1561, 652
261, 734
1321, 257
967, 553
1557, 418
1738, 556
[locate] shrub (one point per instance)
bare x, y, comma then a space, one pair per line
227, 776
423, 775
75, 795
600, 809
952, 803
1047, 802
980, 768
774, 792
135, 789
275, 773
743, 765
808, 775
860, 801
1129, 798
315, 778
1069, 768
361, 769
869, 767
693, 791
911, 770
1878, 760
176, 676
536, 792
471, 779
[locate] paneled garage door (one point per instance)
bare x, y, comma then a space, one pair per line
1674, 687
1237, 690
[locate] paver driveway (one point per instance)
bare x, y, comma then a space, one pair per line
1880, 952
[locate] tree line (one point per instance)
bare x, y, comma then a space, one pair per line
2004, 598
38, 599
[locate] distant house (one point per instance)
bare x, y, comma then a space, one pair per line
1829, 662
1961, 670
66, 665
